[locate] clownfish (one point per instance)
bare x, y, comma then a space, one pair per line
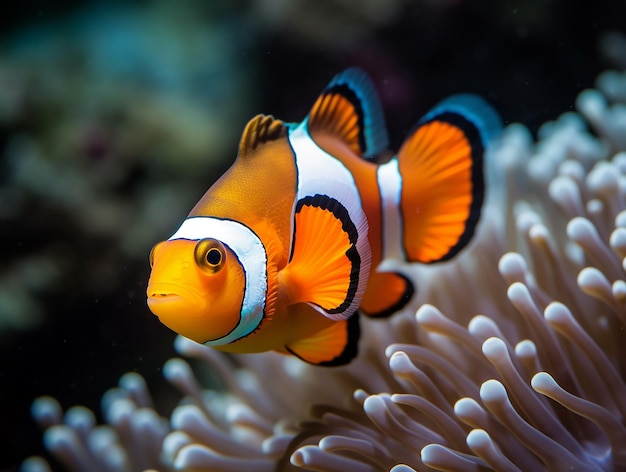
284, 251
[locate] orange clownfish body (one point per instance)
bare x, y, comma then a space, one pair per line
281, 252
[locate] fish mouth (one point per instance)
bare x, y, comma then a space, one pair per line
164, 298
172, 296
183, 310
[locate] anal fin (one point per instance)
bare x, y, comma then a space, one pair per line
333, 345
387, 292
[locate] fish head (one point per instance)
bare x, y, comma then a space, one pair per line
196, 288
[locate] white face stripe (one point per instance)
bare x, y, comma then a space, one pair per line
252, 256
390, 188
321, 173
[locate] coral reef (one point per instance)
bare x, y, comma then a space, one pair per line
515, 359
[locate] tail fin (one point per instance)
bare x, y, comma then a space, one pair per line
441, 163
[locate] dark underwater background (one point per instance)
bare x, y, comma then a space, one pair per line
115, 117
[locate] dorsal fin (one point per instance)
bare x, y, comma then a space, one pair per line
260, 129
349, 109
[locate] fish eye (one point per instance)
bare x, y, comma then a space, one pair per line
210, 255
213, 256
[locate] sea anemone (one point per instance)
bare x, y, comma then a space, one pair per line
512, 357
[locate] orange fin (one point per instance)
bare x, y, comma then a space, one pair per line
349, 109
387, 292
441, 163
330, 258
334, 345
260, 129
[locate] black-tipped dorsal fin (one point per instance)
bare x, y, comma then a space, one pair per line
349, 109
259, 130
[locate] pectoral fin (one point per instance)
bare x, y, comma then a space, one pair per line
330, 258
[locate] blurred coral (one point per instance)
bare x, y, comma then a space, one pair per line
105, 118
515, 359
